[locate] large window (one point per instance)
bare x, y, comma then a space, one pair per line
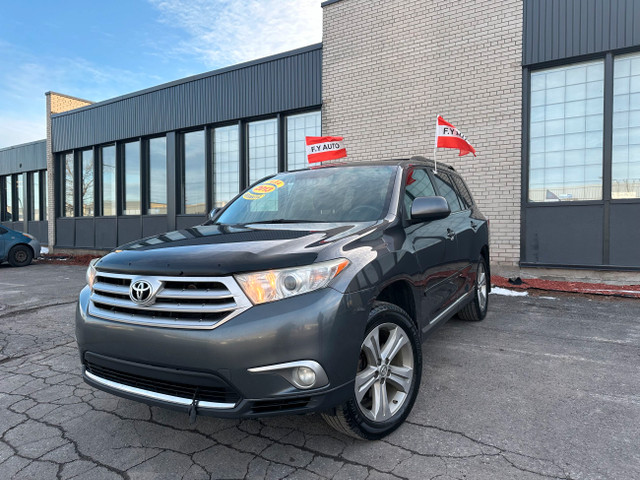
87, 193
298, 127
226, 164
45, 196
67, 165
21, 200
625, 174
132, 178
6, 198
35, 196
157, 176
109, 180
194, 173
566, 133
263, 149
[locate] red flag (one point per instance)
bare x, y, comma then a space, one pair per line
448, 136
321, 149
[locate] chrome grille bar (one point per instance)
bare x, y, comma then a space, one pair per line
203, 302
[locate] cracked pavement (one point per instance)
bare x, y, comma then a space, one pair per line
545, 387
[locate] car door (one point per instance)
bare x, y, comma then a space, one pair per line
459, 225
3, 234
434, 247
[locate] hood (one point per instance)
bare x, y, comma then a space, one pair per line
215, 250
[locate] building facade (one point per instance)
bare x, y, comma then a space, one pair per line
547, 91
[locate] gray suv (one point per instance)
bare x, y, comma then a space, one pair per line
311, 291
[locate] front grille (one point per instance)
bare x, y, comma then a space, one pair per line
179, 302
221, 393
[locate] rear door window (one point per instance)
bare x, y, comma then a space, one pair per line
446, 188
463, 190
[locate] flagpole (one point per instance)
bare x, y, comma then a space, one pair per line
435, 148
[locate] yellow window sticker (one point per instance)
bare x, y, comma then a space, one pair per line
251, 196
276, 182
263, 188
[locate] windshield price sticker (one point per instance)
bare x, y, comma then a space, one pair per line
276, 182
251, 196
263, 188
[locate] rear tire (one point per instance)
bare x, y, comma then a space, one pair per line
387, 378
476, 309
20, 256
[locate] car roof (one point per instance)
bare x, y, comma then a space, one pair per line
400, 162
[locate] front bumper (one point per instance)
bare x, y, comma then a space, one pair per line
35, 245
324, 326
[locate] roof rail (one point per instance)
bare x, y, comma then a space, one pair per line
420, 158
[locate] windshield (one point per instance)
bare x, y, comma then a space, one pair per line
342, 194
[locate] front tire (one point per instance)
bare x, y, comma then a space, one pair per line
20, 256
476, 309
387, 379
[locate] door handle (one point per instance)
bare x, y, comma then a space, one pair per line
451, 234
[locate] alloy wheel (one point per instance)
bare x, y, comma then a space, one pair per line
481, 287
385, 372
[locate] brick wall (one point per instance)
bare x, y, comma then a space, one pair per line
389, 67
56, 103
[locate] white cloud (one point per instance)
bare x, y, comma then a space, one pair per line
224, 32
26, 78
16, 129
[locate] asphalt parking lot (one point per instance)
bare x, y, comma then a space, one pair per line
548, 386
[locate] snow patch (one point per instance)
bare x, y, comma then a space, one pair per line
507, 293
44, 250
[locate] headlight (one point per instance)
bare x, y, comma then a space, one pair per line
29, 236
91, 273
272, 285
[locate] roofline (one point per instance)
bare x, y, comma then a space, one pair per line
68, 96
329, 2
193, 78
3, 149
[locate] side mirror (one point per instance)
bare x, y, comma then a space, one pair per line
213, 213
429, 208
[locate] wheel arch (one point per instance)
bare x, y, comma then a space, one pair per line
399, 292
484, 251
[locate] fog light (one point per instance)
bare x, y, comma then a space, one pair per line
305, 376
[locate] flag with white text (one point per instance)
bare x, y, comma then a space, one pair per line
321, 149
448, 136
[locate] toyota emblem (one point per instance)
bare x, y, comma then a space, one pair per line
141, 292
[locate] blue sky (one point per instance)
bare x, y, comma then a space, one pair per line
99, 50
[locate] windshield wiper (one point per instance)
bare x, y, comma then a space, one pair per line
281, 220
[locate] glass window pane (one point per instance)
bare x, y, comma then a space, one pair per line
226, 164
625, 178
45, 190
194, 173
5, 200
109, 180
157, 176
87, 194
68, 186
299, 127
565, 163
20, 197
263, 149
35, 196
132, 178
447, 190
418, 185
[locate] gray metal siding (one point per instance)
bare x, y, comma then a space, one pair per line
284, 82
24, 158
559, 29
